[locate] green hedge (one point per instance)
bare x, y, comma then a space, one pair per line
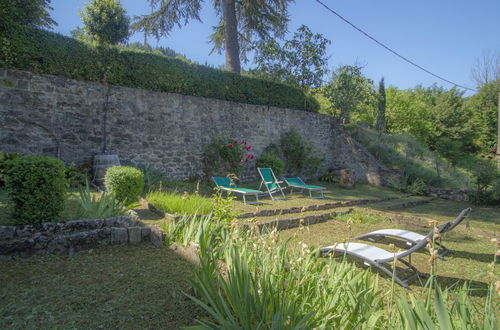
36, 186
46, 52
125, 183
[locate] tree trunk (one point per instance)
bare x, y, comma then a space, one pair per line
231, 44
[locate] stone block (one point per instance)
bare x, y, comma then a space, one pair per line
119, 235
134, 235
7, 232
146, 233
157, 236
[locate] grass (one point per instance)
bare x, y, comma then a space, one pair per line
121, 287
175, 203
471, 253
130, 287
333, 194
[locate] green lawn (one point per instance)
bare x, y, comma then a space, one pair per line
120, 287
471, 253
142, 287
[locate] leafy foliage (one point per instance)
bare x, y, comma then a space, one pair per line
484, 109
50, 53
271, 160
104, 206
486, 180
240, 21
350, 93
301, 61
125, 183
298, 154
14, 13
404, 152
246, 279
224, 155
105, 21
36, 187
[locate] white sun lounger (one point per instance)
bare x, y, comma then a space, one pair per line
379, 258
413, 238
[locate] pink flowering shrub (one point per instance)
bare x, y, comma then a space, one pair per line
224, 155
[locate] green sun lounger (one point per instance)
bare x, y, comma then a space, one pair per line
227, 185
270, 182
299, 184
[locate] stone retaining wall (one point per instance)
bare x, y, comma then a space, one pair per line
72, 236
71, 120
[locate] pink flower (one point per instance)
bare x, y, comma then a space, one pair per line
244, 142
247, 148
493, 151
252, 157
248, 156
241, 160
235, 142
230, 145
233, 164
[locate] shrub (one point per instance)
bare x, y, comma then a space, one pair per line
125, 183
51, 53
486, 179
223, 155
36, 187
298, 154
76, 176
272, 161
175, 203
329, 177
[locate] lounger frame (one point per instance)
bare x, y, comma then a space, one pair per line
271, 183
305, 186
400, 234
380, 263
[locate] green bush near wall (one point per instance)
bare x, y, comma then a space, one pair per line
36, 186
46, 52
125, 183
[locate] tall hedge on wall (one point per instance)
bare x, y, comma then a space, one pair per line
46, 52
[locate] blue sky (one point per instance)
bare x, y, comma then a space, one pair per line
445, 37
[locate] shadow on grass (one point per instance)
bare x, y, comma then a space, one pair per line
110, 287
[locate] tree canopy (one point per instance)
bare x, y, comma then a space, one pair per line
25, 12
301, 61
240, 23
105, 22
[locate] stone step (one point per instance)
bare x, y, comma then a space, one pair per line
305, 220
316, 207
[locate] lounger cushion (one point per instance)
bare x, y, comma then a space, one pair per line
297, 182
403, 234
363, 251
245, 190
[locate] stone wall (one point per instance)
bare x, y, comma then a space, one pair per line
75, 120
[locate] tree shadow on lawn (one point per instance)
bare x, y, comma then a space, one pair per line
477, 288
110, 287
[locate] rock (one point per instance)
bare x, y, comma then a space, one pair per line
157, 236
134, 235
119, 235
7, 232
146, 233
346, 179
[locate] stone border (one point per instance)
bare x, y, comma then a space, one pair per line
75, 235
282, 224
410, 204
316, 207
